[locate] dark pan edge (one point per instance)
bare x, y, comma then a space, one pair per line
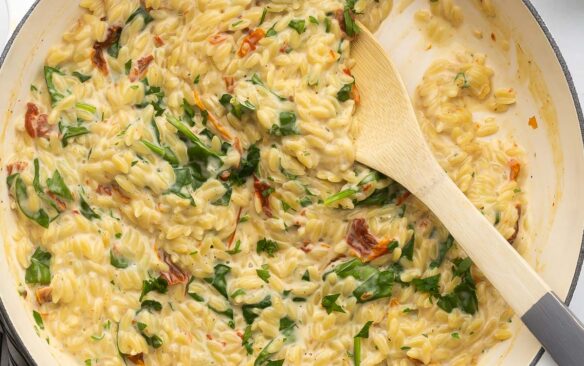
5, 321
578, 107
13, 335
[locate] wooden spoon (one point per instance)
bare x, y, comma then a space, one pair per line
390, 141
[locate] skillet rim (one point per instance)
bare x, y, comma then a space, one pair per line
19, 346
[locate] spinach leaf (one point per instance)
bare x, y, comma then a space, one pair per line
189, 112
380, 197
226, 198
185, 177
264, 355
157, 284
462, 268
246, 340
155, 131
114, 49
218, 280
363, 333
299, 25
247, 166
128, 67
151, 305
255, 79
394, 244
86, 210
359, 270
268, 246
86, 107
464, 295
305, 201
53, 93
272, 31
467, 298
39, 271
118, 261
339, 196
287, 126
193, 295
306, 276
141, 12
153, 341
250, 312
164, 152
57, 185
263, 17
408, 249
264, 273
236, 249
313, 20
185, 131
70, 132
442, 250
154, 96
40, 217
378, 286
351, 28
329, 302
287, 326
236, 107
81, 77
228, 313
38, 319
327, 24
344, 93
429, 285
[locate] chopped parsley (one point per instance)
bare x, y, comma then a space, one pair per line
268, 246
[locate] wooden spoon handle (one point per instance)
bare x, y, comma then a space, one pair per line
552, 323
557, 329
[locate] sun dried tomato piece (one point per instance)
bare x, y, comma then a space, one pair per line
120, 193
113, 35
262, 191
514, 169
138, 359
99, 61
158, 41
17, 166
401, 199
36, 124
97, 57
141, 66
174, 275
512, 238
104, 189
360, 239
44, 294
250, 41
229, 83
60, 203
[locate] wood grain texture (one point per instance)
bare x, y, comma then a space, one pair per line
389, 140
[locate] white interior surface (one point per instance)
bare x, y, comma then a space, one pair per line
563, 18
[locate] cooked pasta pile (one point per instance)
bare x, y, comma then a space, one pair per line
186, 192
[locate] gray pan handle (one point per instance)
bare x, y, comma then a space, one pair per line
557, 329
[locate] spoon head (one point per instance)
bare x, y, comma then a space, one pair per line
388, 136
